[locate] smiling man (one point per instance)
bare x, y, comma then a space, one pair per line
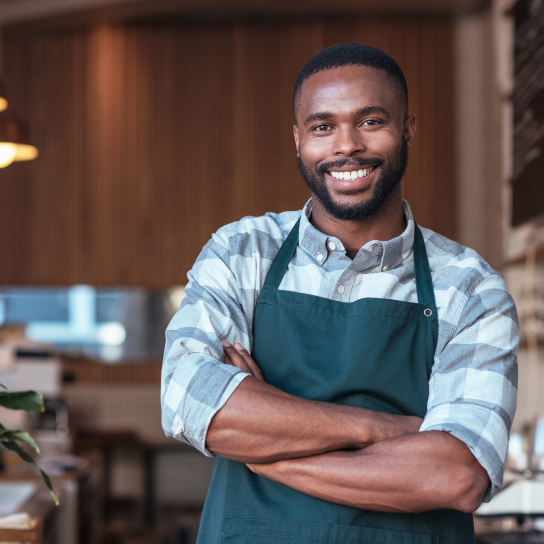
354, 374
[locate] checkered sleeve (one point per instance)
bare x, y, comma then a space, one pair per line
195, 383
473, 385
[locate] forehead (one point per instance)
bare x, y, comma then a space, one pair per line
347, 87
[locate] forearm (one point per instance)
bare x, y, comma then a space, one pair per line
415, 473
261, 424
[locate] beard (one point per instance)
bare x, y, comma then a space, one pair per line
390, 177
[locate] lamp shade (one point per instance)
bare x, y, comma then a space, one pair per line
14, 144
3, 101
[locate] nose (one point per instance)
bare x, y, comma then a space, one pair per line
348, 142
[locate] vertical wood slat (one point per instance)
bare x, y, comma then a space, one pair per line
152, 136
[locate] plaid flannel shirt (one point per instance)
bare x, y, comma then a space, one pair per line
473, 384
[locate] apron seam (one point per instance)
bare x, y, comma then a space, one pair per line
334, 541
313, 312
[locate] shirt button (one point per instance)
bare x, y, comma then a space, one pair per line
341, 289
332, 246
319, 257
385, 268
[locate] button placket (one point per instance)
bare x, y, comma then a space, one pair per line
344, 285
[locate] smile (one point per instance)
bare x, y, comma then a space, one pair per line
354, 174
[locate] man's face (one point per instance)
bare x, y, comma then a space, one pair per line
352, 140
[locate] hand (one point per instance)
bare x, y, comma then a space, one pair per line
237, 356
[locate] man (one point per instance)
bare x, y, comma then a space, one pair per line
354, 374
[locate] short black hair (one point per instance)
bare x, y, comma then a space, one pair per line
353, 54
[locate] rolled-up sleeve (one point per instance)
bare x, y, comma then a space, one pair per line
195, 383
473, 385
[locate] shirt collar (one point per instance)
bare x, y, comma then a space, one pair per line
385, 254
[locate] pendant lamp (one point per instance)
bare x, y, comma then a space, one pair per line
3, 101
14, 144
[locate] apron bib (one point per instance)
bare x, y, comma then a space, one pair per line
371, 353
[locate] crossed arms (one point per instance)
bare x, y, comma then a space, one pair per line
299, 443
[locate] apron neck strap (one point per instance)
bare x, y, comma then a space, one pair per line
282, 260
424, 284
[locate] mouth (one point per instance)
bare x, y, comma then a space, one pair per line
352, 175
352, 180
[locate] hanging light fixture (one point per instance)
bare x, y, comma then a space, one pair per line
3, 101
14, 144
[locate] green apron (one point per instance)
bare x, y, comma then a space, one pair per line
373, 353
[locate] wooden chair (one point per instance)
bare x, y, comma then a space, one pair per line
34, 534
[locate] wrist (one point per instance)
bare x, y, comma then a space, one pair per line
379, 426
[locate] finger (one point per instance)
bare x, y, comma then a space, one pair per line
235, 358
226, 358
255, 370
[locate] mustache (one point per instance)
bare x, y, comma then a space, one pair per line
353, 161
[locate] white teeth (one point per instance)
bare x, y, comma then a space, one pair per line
354, 174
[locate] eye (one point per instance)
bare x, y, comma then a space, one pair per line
321, 128
370, 122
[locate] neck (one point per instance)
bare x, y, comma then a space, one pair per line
388, 223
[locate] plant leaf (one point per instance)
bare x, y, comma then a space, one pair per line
3, 386
21, 436
29, 401
28, 459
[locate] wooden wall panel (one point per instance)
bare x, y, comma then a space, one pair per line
152, 136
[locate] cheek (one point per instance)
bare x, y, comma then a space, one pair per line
313, 151
384, 143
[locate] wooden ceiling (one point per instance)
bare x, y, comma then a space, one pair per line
33, 12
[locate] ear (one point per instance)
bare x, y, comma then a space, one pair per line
297, 141
410, 130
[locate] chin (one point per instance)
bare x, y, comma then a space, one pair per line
350, 202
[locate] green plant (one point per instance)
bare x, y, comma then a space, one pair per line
31, 402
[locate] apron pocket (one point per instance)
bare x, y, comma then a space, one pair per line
257, 531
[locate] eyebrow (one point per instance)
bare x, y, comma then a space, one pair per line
324, 115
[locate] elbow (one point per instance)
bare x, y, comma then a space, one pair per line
469, 489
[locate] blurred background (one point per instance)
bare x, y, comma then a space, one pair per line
149, 124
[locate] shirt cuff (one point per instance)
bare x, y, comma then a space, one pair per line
197, 390
481, 429
229, 390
